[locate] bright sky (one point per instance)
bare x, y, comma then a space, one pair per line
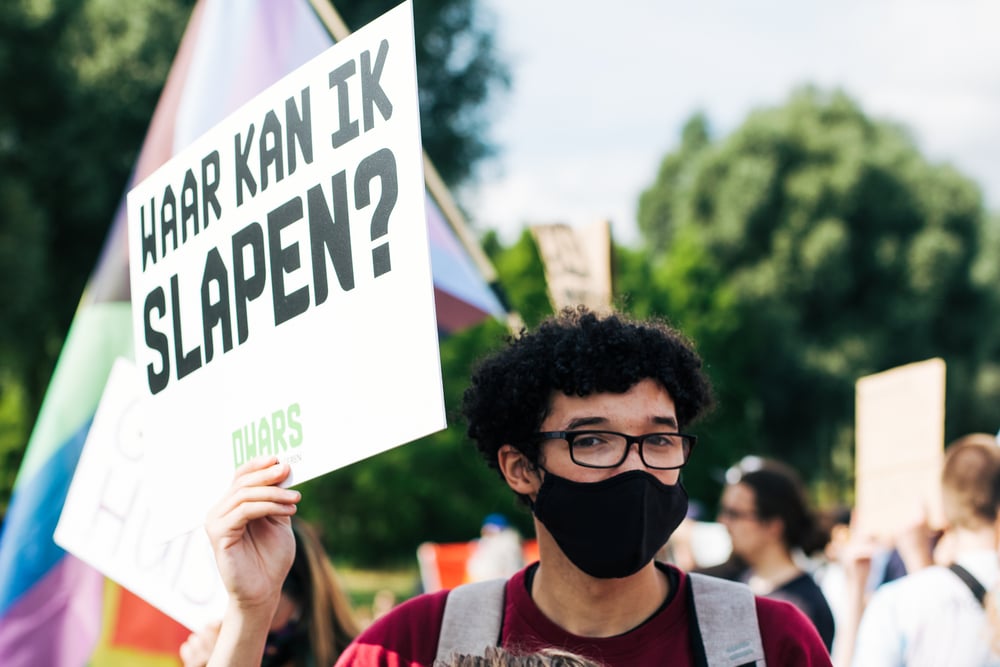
601, 90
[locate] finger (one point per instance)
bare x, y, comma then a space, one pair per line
256, 463
273, 473
186, 652
236, 520
239, 496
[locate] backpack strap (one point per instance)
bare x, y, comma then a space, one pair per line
473, 617
970, 581
726, 616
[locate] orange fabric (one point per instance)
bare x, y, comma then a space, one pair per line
135, 634
530, 551
142, 626
443, 565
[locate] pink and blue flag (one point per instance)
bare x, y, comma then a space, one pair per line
54, 609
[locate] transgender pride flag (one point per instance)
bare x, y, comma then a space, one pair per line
54, 609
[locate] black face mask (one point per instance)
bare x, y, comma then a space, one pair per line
612, 528
286, 645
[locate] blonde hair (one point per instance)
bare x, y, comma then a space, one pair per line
496, 656
970, 481
326, 609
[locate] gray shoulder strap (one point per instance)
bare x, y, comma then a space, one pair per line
473, 615
727, 617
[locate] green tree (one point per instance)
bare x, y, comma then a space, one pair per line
80, 81
810, 247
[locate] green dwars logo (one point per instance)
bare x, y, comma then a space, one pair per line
268, 435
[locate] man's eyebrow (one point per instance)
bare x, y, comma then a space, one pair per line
666, 421
586, 421
577, 422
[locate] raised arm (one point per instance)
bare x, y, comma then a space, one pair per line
251, 535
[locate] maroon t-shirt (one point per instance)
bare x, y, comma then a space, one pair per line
408, 635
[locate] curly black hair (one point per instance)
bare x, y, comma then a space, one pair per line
579, 353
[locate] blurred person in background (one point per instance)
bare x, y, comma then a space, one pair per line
314, 622
935, 615
697, 544
765, 509
498, 551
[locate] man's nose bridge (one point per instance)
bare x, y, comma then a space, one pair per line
634, 456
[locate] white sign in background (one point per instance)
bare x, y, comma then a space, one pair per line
105, 521
282, 294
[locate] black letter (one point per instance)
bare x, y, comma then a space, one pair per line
187, 362
286, 306
298, 125
332, 234
381, 163
208, 187
247, 289
148, 240
189, 204
348, 128
270, 132
157, 340
215, 313
168, 219
243, 174
371, 89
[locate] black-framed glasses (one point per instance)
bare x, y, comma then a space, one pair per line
608, 449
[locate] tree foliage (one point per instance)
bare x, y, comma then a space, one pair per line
80, 81
810, 247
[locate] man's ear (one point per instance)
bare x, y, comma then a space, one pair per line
521, 474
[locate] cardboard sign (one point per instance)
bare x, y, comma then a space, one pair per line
899, 447
105, 520
281, 283
577, 264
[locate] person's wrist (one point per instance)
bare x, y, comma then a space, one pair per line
264, 606
243, 632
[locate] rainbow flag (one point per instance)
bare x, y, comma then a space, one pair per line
54, 609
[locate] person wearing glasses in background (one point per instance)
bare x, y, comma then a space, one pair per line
586, 419
765, 509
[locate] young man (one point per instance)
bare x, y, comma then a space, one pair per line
585, 419
932, 616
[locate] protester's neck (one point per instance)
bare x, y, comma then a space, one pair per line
968, 540
771, 568
591, 607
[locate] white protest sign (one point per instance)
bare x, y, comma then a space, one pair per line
281, 282
105, 521
899, 449
577, 264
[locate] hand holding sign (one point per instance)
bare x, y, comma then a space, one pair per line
251, 533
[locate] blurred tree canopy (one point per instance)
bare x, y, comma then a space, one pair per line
810, 247
81, 80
